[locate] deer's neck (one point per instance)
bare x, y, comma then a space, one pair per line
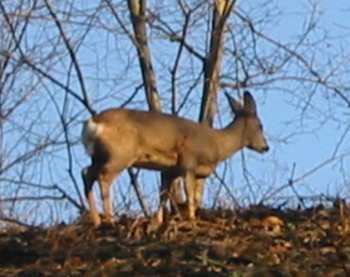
231, 139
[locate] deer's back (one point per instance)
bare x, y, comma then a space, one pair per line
154, 132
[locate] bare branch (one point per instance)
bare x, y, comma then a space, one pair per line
136, 186
71, 54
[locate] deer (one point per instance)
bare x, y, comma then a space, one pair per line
120, 138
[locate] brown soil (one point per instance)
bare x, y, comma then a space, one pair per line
258, 241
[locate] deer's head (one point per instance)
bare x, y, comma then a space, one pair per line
253, 135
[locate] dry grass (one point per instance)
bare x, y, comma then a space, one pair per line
258, 241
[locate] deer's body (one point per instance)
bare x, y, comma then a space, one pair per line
120, 138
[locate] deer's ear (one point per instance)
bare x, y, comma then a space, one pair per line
249, 103
235, 106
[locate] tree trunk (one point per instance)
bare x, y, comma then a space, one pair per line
138, 18
222, 9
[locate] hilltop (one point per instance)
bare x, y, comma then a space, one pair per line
258, 241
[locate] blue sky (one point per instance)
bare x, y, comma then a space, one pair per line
311, 136
310, 150
297, 137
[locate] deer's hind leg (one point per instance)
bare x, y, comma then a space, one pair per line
89, 175
110, 170
105, 180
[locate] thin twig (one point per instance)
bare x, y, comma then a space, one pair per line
136, 186
71, 54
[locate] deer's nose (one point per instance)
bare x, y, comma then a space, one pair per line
266, 148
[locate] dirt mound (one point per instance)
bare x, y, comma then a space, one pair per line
256, 241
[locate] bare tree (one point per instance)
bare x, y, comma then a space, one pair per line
61, 61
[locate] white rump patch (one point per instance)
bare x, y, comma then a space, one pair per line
90, 131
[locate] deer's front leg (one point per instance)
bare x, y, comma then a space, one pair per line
190, 185
199, 188
163, 195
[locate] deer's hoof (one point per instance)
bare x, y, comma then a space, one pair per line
159, 218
